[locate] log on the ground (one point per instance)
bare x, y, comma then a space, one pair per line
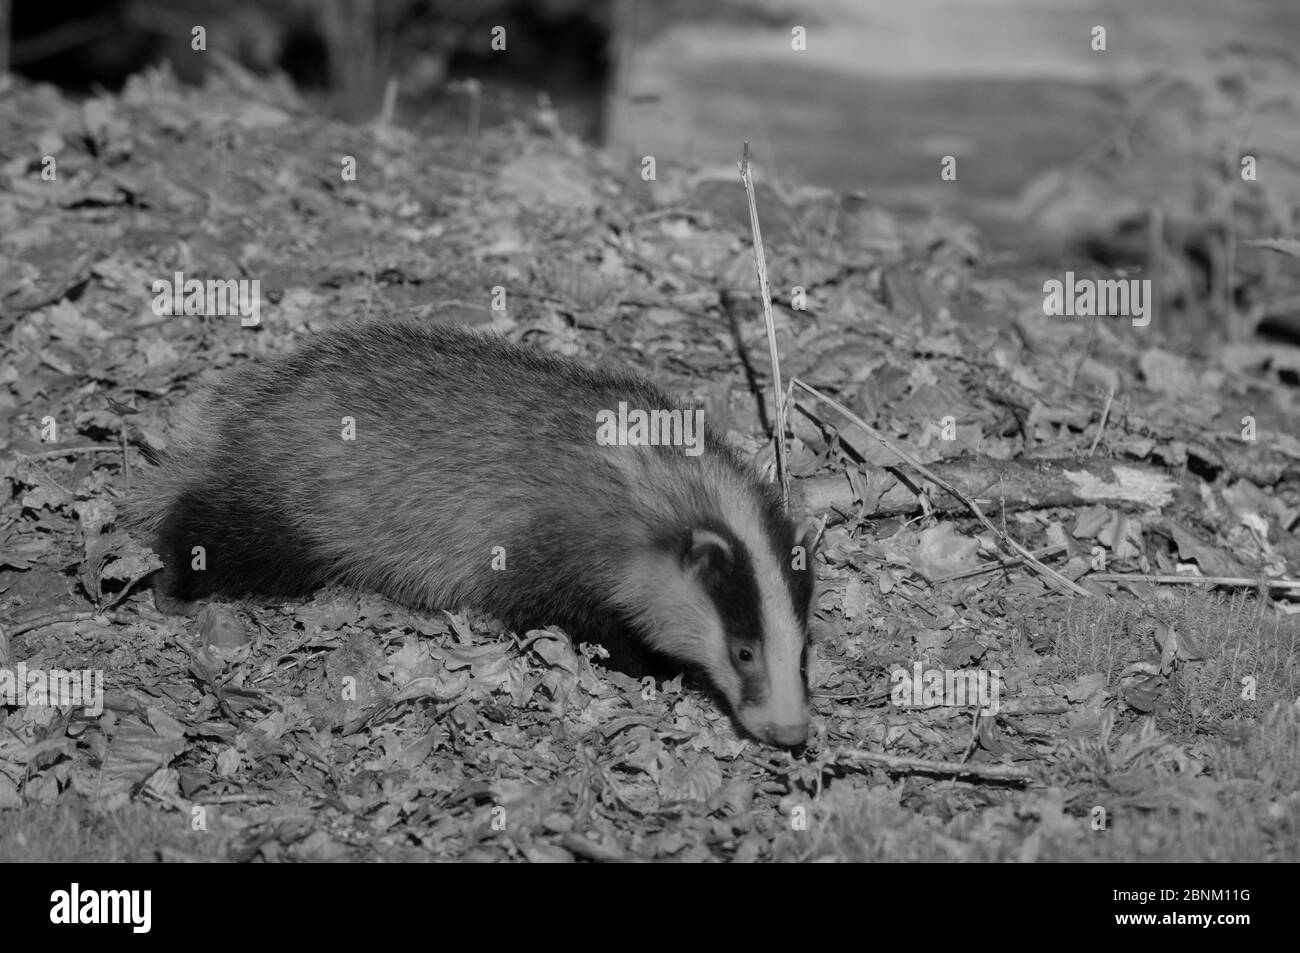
998, 484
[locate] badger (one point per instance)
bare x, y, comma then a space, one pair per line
454, 469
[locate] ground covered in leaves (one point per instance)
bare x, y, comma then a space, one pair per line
1138, 721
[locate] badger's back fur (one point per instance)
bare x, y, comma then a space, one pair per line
418, 461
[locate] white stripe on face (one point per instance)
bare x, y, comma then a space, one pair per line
678, 620
781, 716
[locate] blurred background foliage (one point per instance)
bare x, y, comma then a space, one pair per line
1127, 158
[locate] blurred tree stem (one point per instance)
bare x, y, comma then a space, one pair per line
4, 36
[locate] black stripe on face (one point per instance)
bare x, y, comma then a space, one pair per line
725, 570
783, 537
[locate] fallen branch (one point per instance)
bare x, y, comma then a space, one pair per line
894, 762
32, 623
1241, 581
1022, 485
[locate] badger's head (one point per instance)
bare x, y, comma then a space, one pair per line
730, 595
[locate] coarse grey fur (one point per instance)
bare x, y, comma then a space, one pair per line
469, 449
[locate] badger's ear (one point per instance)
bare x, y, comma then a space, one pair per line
707, 554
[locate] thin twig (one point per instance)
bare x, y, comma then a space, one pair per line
1198, 580
939, 481
997, 564
126, 460
765, 292
23, 626
1105, 413
894, 762
1083, 353
830, 227
389, 102
252, 798
872, 698
68, 452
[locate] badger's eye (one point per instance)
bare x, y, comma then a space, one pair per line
745, 655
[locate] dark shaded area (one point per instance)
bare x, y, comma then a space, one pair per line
79, 44
348, 51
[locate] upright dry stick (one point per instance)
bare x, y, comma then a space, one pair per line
1101, 427
765, 292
